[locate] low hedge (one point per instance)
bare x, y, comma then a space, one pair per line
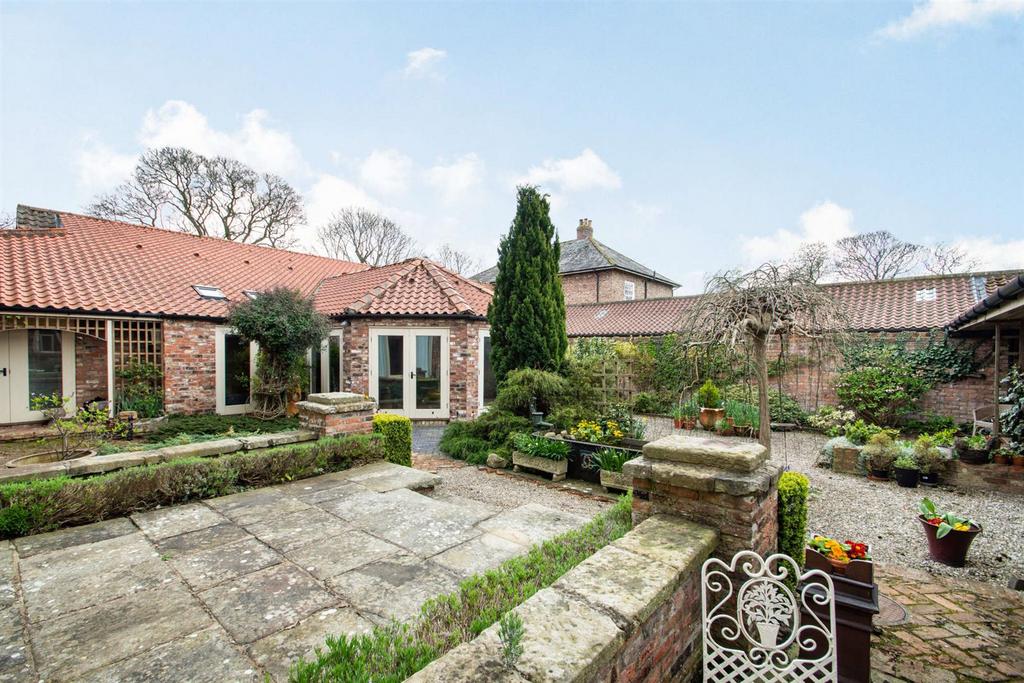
793, 490
396, 435
173, 425
472, 440
33, 507
389, 654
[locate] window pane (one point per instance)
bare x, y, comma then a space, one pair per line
44, 364
389, 372
334, 352
490, 381
315, 365
428, 372
236, 370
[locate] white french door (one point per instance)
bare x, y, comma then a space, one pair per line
35, 363
325, 364
409, 371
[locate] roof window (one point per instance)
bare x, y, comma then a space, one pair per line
600, 314
209, 292
251, 293
927, 294
978, 287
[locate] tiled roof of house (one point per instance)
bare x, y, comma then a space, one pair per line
412, 287
89, 264
586, 255
1012, 290
913, 303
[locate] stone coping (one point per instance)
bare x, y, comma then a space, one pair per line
336, 402
703, 477
707, 451
98, 464
576, 627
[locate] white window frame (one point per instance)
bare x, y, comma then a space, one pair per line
409, 361
483, 334
210, 292
220, 383
325, 360
628, 290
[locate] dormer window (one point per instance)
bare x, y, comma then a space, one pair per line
927, 294
209, 292
628, 290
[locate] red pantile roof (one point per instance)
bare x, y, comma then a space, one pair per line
412, 287
913, 303
94, 265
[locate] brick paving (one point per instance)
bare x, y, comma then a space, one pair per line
958, 631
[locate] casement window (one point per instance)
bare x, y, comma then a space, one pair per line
235, 365
628, 290
487, 383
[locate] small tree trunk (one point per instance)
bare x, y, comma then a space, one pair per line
760, 348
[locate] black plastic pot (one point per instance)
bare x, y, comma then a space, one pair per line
906, 478
930, 478
878, 475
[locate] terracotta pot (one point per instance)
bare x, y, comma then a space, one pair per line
709, 416
689, 423
1018, 461
1001, 459
905, 477
677, 422
952, 548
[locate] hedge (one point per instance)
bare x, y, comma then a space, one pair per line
793, 489
396, 433
389, 654
42, 505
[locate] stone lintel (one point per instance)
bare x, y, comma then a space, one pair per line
702, 477
698, 450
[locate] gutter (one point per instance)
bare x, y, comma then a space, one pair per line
1008, 292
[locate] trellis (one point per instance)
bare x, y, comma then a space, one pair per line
613, 381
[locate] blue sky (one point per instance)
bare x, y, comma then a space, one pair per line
695, 136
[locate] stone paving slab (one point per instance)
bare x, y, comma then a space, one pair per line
15, 664
8, 591
532, 523
276, 653
251, 507
79, 535
419, 524
207, 568
258, 604
292, 531
479, 554
204, 657
203, 539
341, 553
180, 519
384, 476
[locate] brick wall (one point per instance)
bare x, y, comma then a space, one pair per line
583, 288
90, 369
190, 365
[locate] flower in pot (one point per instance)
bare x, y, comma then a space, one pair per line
906, 470
949, 536
973, 450
929, 459
710, 399
839, 554
723, 428
880, 453
1002, 456
611, 460
767, 607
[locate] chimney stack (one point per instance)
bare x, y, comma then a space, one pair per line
585, 230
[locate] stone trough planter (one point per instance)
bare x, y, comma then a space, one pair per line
615, 481
49, 457
556, 468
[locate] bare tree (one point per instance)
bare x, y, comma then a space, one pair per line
813, 260
176, 187
6, 220
361, 235
943, 259
455, 260
878, 255
748, 308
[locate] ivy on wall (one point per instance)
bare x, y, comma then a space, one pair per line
941, 360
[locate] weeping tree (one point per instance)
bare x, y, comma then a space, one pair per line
746, 309
285, 325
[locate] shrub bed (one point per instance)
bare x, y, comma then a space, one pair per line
472, 440
174, 425
44, 505
393, 653
396, 435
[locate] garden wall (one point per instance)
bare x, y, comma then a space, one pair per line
190, 365
90, 368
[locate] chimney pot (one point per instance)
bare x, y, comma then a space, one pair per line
585, 230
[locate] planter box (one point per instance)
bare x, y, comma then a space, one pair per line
556, 468
616, 480
844, 460
581, 461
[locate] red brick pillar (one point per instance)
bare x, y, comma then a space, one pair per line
726, 485
337, 413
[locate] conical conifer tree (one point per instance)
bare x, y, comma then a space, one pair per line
527, 314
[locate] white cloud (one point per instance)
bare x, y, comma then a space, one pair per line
939, 14
586, 172
180, 124
100, 168
456, 179
330, 193
386, 171
646, 212
825, 222
423, 63
991, 254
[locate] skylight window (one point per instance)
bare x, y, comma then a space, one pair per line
251, 293
925, 294
209, 292
600, 314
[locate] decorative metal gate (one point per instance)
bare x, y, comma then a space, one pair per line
757, 630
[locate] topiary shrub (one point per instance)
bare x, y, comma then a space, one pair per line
396, 434
793, 490
549, 389
651, 404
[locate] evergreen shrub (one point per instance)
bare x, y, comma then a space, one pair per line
396, 436
793, 490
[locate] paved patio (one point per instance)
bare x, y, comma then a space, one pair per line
232, 588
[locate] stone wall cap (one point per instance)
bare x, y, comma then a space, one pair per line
702, 477
742, 456
362, 404
336, 398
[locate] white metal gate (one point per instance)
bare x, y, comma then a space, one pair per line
757, 630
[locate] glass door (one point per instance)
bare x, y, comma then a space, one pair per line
390, 385
35, 363
5, 377
409, 371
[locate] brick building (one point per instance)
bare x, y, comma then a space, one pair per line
593, 272
81, 298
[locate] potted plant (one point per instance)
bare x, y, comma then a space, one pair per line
677, 416
929, 459
723, 427
541, 454
710, 399
906, 470
973, 450
1002, 456
611, 460
839, 555
689, 411
949, 536
880, 453
767, 608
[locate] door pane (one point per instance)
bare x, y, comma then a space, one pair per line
389, 371
334, 358
44, 364
490, 381
428, 372
236, 370
315, 364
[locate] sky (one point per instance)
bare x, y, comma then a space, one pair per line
695, 136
